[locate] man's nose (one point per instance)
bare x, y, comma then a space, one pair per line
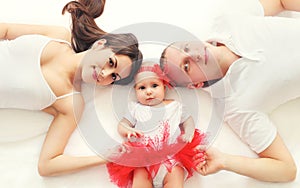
196, 57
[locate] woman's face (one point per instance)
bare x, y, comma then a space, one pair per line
190, 63
101, 66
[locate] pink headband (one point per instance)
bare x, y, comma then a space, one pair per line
157, 70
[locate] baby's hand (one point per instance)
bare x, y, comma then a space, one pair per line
132, 136
187, 137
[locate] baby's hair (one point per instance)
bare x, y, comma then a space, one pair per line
153, 70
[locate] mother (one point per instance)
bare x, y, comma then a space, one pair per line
40, 70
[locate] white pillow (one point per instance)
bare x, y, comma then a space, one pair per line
17, 125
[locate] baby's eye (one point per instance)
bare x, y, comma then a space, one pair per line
142, 87
154, 85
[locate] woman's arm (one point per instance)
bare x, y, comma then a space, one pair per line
11, 31
273, 7
52, 160
275, 164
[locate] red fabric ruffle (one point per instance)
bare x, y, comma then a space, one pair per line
186, 154
122, 175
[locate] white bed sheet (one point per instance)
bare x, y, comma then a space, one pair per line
22, 132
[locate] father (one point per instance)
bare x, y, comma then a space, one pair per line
251, 65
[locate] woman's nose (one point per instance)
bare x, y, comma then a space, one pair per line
106, 72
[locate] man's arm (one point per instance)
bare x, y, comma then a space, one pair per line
273, 7
275, 164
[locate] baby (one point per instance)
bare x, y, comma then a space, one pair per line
160, 132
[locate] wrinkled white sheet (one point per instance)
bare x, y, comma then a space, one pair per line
22, 132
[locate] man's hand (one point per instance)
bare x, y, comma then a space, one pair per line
211, 162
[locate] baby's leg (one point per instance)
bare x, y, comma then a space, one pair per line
141, 179
175, 178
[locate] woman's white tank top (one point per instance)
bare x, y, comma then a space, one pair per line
22, 84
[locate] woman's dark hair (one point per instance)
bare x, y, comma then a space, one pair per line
85, 32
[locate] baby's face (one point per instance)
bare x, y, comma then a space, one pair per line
150, 91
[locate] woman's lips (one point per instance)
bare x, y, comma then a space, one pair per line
95, 75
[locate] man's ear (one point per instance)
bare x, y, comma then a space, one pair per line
195, 85
99, 44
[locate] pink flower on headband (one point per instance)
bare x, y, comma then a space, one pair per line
157, 70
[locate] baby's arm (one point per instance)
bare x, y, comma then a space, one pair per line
126, 129
188, 127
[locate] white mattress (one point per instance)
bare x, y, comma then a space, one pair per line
22, 132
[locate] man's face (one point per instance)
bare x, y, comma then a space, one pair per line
190, 62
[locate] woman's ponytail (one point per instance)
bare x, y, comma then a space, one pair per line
84, 29
85, 33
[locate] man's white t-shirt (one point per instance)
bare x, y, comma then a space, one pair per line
266, 75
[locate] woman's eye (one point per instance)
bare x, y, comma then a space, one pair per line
111, 62
114, 76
